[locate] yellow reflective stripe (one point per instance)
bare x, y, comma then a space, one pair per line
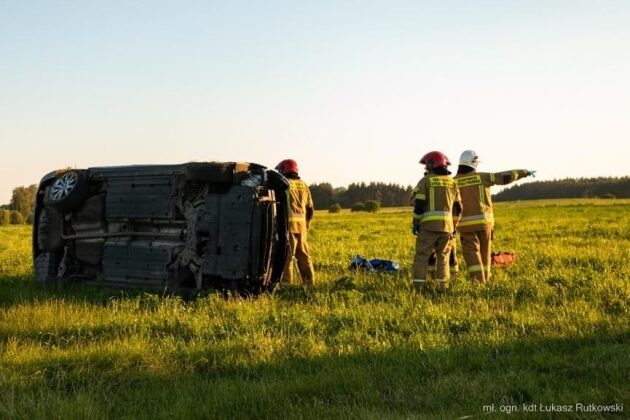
492, 178
297, 184
478, 217
515, 175
475, 268
468, 181
482, 196
417, 216
441, 181
431, 198
486, 221
434, 215
421, 197
430, 218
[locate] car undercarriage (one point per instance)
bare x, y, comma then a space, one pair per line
163, 227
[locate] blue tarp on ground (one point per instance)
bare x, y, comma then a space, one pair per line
375, 264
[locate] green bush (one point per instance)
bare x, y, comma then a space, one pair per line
5, 217
334, 208
372, 206
16, 218
357, 207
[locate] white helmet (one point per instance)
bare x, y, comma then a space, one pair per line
469, 158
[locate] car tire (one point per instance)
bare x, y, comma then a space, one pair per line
67, 191
46, 268
49, 230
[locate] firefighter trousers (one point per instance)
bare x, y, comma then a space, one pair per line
299, 250
476, 247
452, 260
426, 243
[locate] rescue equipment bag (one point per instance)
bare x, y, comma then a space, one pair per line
503, 259
376, 265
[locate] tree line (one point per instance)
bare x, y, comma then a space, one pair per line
602, 187
395, 195
20, 208
387, 195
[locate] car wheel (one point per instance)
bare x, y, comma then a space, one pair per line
67, 191
46, 268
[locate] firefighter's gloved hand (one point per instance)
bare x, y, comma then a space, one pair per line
454, 234
415, 228
531, 173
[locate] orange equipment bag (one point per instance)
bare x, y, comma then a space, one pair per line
503, 259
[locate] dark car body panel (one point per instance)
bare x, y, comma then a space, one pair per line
188, 226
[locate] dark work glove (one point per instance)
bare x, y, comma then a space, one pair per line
415, 228
531, 173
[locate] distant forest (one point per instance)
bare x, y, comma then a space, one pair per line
568, 188
388, 195
395, 195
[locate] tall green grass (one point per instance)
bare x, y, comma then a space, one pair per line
554, 328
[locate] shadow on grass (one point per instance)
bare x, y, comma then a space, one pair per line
24, 289
402, 382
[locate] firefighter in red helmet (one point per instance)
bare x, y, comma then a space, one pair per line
437, 207
453, 263
301, 211
477, 223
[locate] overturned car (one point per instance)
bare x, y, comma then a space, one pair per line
176, 227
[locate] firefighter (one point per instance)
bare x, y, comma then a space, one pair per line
477, 222
437, 207
452, 258
301, 210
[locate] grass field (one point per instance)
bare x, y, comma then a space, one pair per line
553, 329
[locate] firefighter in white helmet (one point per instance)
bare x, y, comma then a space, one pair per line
436, 211
301, 211
477, 222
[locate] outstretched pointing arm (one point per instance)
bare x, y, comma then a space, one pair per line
507, 177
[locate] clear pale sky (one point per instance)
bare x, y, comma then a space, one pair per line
353, 90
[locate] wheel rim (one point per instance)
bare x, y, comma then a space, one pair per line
63, 186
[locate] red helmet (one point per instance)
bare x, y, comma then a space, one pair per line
287, 166
435, 159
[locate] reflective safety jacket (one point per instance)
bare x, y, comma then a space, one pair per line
300, 205
474, 188
439, 193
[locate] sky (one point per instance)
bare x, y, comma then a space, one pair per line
352, 90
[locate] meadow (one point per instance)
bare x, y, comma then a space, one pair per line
552, 329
